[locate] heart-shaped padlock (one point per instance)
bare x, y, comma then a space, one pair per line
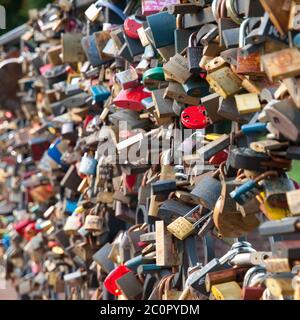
194, 117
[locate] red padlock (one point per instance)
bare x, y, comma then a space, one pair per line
194, 117
218, 158
132, 98
131, 26
30, 231
110, 281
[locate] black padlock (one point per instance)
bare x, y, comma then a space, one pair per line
194, 54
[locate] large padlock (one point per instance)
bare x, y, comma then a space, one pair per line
162, 37
181, 35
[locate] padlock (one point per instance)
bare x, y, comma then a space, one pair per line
181, 228
250, 188
285, 117
247, 62
128, 78
181, 35
92, 223
271, 212
293, 201
196, 87
207, 191
176, 92
224, 82
166, 249
90, 48
279, 14
99, 93
130, 286
276, 189
131, 25
162, 37
194, 117
281, 64
222, 276
163, 107
247, 103
68, 131
72, 50
101, 258
194, 54
101, 40
88, 165
227, 291
177, 67
131, 98
149, 7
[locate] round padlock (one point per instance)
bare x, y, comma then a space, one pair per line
194, 117
131, 26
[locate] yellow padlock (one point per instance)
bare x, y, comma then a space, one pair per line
227, 291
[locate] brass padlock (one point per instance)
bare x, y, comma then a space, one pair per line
227, 291
247, 103
181, 228
224, 82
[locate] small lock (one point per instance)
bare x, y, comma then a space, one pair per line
92, 12
194, 117
99, 93
131, 26
128, 78
92, 223
194, 54
88, 165
181, 228
247, 103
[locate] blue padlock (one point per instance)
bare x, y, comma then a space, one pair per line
54, 153
240, 194
70, 206
296, 40
99, 93
162, 25
88, 165
254, 128
90, 48
151, 267
134, 262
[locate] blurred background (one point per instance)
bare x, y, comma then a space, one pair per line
17, 11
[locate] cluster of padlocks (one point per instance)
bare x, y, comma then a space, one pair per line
150, 151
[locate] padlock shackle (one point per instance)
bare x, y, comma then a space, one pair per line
179, 21
112, 7
242, 34
265, 175
192, 211
203, 219
193, 40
